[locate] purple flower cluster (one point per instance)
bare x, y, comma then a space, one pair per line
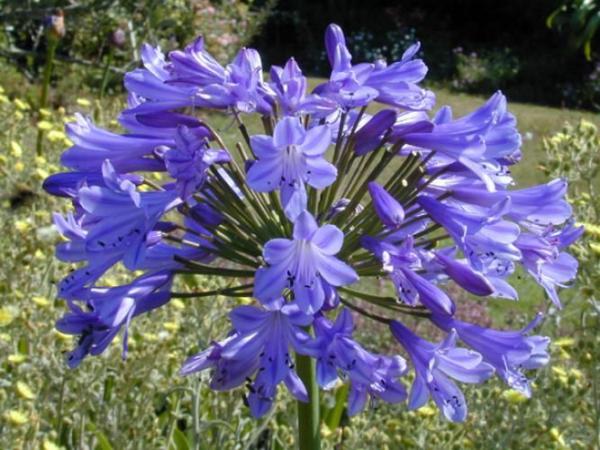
326, 194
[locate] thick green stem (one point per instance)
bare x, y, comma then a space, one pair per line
50, 52
106, 73
309, 432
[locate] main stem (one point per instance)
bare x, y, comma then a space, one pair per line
309, 429
50, 52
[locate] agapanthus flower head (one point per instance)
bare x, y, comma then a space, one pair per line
300, 215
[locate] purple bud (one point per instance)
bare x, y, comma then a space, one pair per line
368, 137
465, 276
117, 38
388, 209
334, 36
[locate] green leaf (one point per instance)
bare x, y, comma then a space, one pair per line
335, 415
179, 440
103, 442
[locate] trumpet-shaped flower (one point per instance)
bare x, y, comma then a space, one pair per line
305, 264
369, 374
290, 159
435, 365
259, 346
509, 352
110, 309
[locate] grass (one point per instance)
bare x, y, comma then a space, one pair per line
143, 403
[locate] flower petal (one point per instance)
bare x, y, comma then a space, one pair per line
288, 131
329, 239
316, 141
334, 271
320, 173
265, 174
305, 226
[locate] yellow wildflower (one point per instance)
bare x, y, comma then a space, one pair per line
591, 229
49, 445
564, 342
171, 326
4, 99
561, 374
15, 149
63, 336
177, 303
513, 397
150, 337
18, 166
557, 436
16, 358
83, 102
41, 173
426, 411
45, 112
40, 301
595, 246
586, 125
24, 391
576, 373
15, 417
20, 104
44, 125
7, 315
56, 135
22, 226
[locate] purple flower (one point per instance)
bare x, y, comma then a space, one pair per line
67, 184
108, 310
288, 160
368, 137
127, 153
464, 275
260, 346
485, 136
402, 262
435, 365
242, 87
194, 65
150, 88
369, 374
545, 262
121, 216
483, 236
509, 352
289, 86
356, 85
449, 216
74, 250
536, 206
189, 161
304, 264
